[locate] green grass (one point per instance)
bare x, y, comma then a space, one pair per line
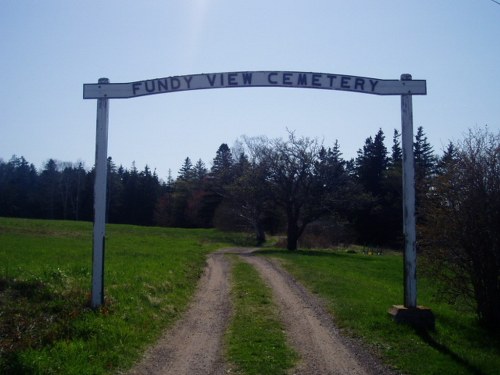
46, 326
359, 289
256, 342
45, 276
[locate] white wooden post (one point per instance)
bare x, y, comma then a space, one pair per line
101, 156
409, 225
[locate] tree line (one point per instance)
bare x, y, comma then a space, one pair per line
65, 190
296, 186
302, 188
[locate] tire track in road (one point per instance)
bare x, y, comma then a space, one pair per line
194, 346
309, 327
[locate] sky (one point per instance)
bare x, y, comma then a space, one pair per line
49, 49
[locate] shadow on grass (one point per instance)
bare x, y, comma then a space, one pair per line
443, 349
33, 316
316, 253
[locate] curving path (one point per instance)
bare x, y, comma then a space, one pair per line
194, 345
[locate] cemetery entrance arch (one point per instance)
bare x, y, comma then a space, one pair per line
406, 87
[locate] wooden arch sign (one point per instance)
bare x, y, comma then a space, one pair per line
405, 87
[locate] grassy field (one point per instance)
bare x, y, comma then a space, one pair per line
46, 326
360, 288
256, 342
45, 275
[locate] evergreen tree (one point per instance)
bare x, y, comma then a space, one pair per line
199, 171
130, 180
393, 196
148, 194
170, 181
425, 160
18, 188
371, 218
71, 187
87, 197
241, 165
449, 157
330, 171
186, 171
371, 164
425, 168
338, 193
222, 163
49, 185
114, 194
397, 153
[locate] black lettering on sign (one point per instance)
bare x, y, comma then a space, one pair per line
359, 84
175, 83
163, 84
247, 78
231, 79
287, 78
136, 86
211, 79
316, 79
150, 86
273, 82
331, 77
302, 80
188, 81
344, 82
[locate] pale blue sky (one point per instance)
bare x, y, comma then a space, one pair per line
50, 48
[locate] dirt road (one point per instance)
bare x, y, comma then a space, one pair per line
194, 345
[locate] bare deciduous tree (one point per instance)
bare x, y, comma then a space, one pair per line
462, 231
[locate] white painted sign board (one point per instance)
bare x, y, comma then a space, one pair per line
325, 81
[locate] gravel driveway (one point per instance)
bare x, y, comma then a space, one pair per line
194, 345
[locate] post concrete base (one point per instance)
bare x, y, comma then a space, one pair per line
418, 317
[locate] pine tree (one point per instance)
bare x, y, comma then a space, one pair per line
241, 165
149, 192
130, 192
378, 210
114, 199
49, 185
449, 157
186, 171
18, 188
396, 154
425, 160
330, 167
393, 196
222, 163
371, 164
199, 171
425, 168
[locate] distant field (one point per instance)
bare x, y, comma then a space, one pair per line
360, 288
45, 278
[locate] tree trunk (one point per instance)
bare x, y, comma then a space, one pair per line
292, 234
260, 236
487, 293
